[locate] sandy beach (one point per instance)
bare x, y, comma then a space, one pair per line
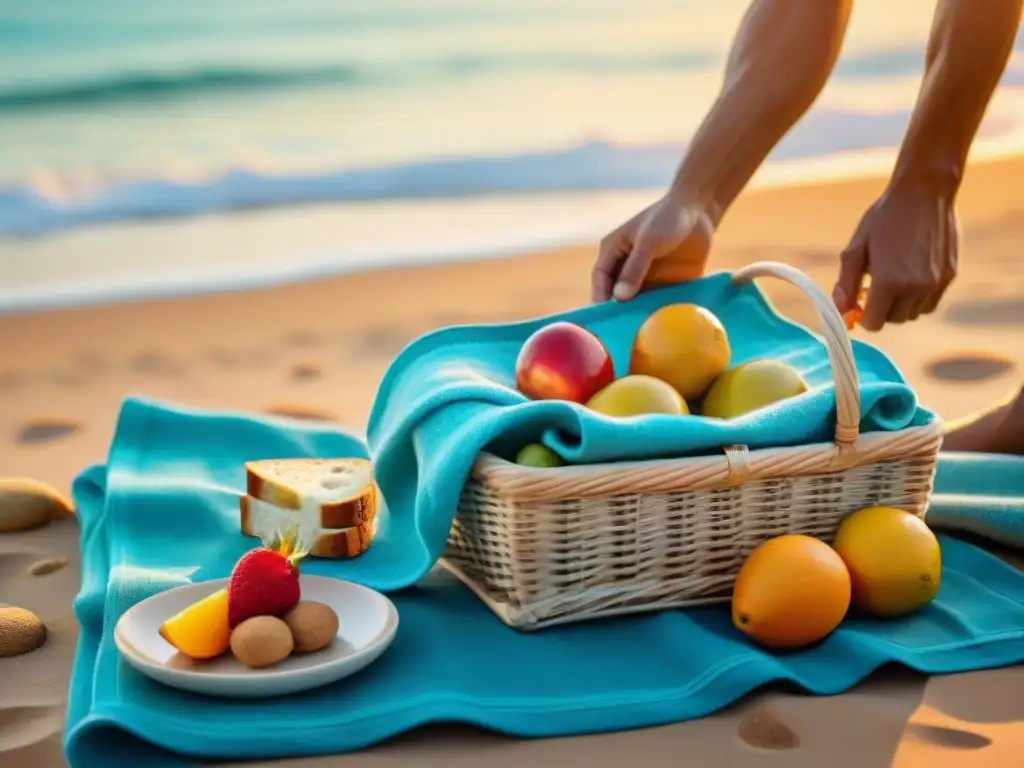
318, 350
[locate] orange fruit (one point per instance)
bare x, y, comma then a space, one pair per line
637, 395
791, 591
894, 560
201, 630
684, 345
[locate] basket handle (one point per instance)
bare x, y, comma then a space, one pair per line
837, 341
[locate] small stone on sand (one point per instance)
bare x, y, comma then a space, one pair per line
46, 567
21, 631
27, 504
45, 430
764, 730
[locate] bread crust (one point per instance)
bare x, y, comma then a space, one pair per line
339, 544
346, 513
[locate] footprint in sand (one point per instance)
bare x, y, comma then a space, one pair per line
305, 372
22, 726
156, 364
969, 366
303, 340
66, 379
238, 358
382, 341
90, 362
948, 738
762, 729
12, 380
45, 430
1008, 311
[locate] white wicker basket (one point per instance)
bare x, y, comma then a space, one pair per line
543, 547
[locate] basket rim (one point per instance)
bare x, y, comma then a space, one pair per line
734, 466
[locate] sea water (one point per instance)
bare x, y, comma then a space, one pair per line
565, 114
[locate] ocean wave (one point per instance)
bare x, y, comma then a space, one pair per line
135, 85
593, 166
139, 85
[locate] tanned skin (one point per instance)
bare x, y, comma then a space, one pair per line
906, 245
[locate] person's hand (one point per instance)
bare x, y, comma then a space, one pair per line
669, 242
907, 243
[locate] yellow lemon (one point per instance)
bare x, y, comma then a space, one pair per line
791, 591
894, 560
637, 395
684, 345
750, 386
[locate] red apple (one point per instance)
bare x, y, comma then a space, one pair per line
563, 361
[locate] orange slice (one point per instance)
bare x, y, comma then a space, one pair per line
200, 631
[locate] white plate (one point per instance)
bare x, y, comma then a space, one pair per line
367, 624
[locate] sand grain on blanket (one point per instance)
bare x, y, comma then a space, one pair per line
45, 430
27, 504
762, 729
969, 366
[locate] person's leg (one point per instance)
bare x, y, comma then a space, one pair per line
998, 429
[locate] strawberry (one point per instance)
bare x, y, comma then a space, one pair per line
265, 581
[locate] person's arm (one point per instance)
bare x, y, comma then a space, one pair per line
780, 60
969, 47
908, 241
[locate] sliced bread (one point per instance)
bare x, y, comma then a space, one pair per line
341, 492
263, 520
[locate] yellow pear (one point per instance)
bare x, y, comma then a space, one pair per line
636, 396
751, 386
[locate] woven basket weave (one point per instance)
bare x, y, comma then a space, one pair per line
543, 547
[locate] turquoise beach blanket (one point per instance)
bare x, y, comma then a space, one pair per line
163, 511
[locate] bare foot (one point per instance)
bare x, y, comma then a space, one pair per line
999, 429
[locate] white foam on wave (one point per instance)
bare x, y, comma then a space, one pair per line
32, 209
147, 262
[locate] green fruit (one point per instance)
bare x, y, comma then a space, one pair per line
538, 455
751, 386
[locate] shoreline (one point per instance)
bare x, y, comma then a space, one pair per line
520, 223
